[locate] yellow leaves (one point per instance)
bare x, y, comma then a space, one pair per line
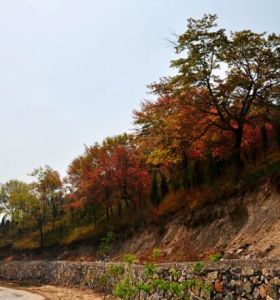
162, 157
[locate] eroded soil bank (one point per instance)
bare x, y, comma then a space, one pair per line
245, 225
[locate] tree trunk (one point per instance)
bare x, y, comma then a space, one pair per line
185, 162
111, 210
237, 150
185, 172
120, 209
126, 201
40, 224
54, 214
107, 212
53, 222
94, 217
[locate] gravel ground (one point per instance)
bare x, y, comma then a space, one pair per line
13, 294
48, 292
59, 293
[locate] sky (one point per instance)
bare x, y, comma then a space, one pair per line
72, 71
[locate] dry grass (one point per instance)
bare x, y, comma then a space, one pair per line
29, 242
78, 234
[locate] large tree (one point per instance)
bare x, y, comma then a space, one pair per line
168, 133
13, 196
21, 203
109, 175
49, 187
233, 78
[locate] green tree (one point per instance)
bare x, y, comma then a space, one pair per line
21, 202
49, 188
163, 186
155, 196
198, 176
10, 194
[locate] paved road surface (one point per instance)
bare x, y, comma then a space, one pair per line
11, 294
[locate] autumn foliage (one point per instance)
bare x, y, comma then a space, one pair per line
219, 112
109, 175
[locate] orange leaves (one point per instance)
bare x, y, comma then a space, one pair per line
170, 129
109, 174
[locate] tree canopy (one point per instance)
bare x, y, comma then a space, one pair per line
218, 112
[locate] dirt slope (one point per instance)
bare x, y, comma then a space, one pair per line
241, 226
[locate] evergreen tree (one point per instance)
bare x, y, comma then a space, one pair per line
155, 197
264, 139
198, 176
163, 186
213, 168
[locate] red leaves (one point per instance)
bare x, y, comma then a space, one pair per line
171, 129
113, 173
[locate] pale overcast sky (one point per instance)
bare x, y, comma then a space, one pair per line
72, 71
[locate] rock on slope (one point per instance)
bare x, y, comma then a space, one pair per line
241, 226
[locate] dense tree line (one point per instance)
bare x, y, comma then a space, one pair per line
220, 110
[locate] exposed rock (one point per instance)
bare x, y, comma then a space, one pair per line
218, 286
212, 276
266, 272
275, 281
230, 255
256, 293
247, 287
247, 271
229, 296
271, 291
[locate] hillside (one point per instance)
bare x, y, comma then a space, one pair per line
240, 220
242, 226
196, 176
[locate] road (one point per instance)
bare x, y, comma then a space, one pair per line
12, 294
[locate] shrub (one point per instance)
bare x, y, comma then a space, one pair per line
106, 243
125, 289
198, 267
149, 270
215, 257
129, 258
116, 270
155, 253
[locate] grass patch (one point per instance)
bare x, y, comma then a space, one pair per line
28, 243
78, 234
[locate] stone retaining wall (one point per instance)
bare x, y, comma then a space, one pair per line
230, 279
